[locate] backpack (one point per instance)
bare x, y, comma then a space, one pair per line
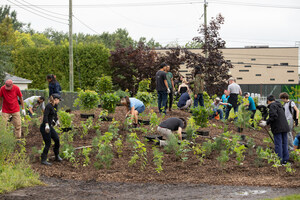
292, 111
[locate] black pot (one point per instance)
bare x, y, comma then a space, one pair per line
240, 130
66, 129
108, 119
183, 135
99, 106
203, 133
145, 122
151, 138
86, 116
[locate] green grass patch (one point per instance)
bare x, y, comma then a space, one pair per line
289, 197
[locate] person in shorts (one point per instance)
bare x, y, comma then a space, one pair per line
134, 108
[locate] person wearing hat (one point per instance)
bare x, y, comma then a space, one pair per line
279, 128
250, 104
216, 107
233, 91
48, 132
9, 94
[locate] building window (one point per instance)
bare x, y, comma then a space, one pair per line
247, 65
284, 64
240, 63
272, 79
239, 78
291, 71
291, 80
243, 70
269, 66
275, 64
183, 70
253, 59
228, 60
257, 74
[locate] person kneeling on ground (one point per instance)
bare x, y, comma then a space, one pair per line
134, 107
279, 128
216, 104
50, 119
184, 101
172, 124
297, 142
32, 103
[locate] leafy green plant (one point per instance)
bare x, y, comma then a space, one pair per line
109, 102
144, 85
87, 100
104, 85
191, 128
114, 128
154, 120
180, 150
121, 94
239, 150
295, 155
105, 152
157, 159
65, 119
140, 151
145, 97
25, 120
86, 126
201, 115
199, 151
223, 158
86, 152
68, 152
118, 144
243, 117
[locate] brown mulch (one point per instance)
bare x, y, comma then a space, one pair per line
174, 171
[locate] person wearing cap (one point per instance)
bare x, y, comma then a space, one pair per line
48, 132
233, 91
32, 103
250, 104
9, 94
216, 107
279, 128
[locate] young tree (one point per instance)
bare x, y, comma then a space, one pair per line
214, 66
7, 36
6, 12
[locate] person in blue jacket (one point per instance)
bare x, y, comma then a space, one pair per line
54, 86
297, 142
134, 107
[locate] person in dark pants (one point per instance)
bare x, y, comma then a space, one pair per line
279, 128
198, 87
251, 106
171, 86
54, 86
233, 91
48, 132
162, 88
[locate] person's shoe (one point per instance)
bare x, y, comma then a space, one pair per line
45, 162
283, 163
58, 158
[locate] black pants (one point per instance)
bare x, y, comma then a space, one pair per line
170, 100
47, 139
253, 113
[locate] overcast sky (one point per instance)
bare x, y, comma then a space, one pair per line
247, 22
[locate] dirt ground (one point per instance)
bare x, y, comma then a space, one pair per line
178, 180
77, 190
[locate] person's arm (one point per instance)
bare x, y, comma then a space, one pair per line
272, 114
295, 108
22, 102
166, 83
30, 110
172, 83
179, 133
132, 112
227, 92
179, 88
241, 91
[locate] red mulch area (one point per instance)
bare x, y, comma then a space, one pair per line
174, 171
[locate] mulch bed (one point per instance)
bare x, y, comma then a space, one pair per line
174, 171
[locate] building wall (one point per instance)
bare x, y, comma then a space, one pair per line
22, 86
259, 65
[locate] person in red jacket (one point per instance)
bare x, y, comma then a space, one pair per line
9, 94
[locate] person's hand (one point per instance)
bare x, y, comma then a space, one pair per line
229, 104
47, 128
263, 123
296, 122
57, 123
168, 90
23, 112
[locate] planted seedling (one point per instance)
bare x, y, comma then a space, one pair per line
157, 159
87, 101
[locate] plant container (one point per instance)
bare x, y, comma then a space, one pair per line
86, 116
145, 122
66, 129
108, 119
240, 130
203, 133
151, 138
99, 106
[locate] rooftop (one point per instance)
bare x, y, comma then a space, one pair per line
16, 79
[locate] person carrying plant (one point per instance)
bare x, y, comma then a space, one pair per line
198, 87
216, 107
171, 86
279, 128
32, 103
9, 94
251, 105
185, 101
172, 124
233, 91
162, 88
134, 108
48, 132
291, 114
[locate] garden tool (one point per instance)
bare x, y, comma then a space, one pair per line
269, 134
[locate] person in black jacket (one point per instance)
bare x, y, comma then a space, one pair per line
50, 119
279, 128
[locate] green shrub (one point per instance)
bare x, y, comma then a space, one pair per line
191, 128
65, 119
121, 94
87, 100
145, 97
201, 115
104, 85
144, 85
109, 102
243, 117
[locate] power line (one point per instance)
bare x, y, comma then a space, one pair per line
86, 25
38, 14
45, 9
49, 15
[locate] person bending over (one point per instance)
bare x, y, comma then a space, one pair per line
185, 101
134, 108
216, 107
32, 103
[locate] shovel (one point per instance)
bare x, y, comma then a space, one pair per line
269, 134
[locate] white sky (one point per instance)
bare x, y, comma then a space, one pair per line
244, 25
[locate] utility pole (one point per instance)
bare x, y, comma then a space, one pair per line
71, 74
205, 24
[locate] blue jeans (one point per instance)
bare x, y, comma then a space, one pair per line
220, 111
140, 109
162, 101
281, 146
199, 99
228, 108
